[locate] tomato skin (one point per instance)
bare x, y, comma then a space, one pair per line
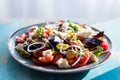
45, 60
61, 21
104, 44
21, 38
31, 30
37, 53
83, 61
38, 62
56, 58
80, 38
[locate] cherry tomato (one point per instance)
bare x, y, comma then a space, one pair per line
21, 38
56, 58
31, 30
61, 21
38, 62
37, 53
84, 59
46, 59
104, 44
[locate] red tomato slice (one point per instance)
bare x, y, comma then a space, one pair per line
104, 44
46, 59
37, 53
80, 38
61, 21
21, 38
83, 61
38, 62
56, 58
31, 30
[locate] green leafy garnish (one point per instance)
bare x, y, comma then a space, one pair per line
39, 31
74, 37
98, 51
78, 52
68, 21
74, 27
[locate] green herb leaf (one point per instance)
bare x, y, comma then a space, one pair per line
74, 37
98, 51
39, 31
74, 27
68, 21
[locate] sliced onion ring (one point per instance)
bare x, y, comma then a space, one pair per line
76, 52
76, 61
77, 47
43, 45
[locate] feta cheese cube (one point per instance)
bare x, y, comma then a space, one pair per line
63, 63
47, 52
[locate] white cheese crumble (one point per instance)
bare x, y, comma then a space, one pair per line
65, 25
47, 52
19, 47
63, 63
86, 32
51, 26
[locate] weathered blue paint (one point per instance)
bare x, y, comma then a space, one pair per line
12, 70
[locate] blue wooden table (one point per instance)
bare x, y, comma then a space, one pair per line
12, 70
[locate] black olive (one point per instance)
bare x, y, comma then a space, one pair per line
25, 46
64, 55
54, 40
35, 46
91, 42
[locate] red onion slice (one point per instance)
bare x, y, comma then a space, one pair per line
76, 52
42, 46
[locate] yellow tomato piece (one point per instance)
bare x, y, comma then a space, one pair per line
70, 55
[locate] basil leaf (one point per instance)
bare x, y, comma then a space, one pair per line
74, 27
98, 51
39, 31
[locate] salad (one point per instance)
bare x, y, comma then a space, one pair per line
63, 44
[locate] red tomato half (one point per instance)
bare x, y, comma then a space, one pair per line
83, 61
38, 62
45, 60
37, 53
61, 21
56, 58
104, 44
21, 38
